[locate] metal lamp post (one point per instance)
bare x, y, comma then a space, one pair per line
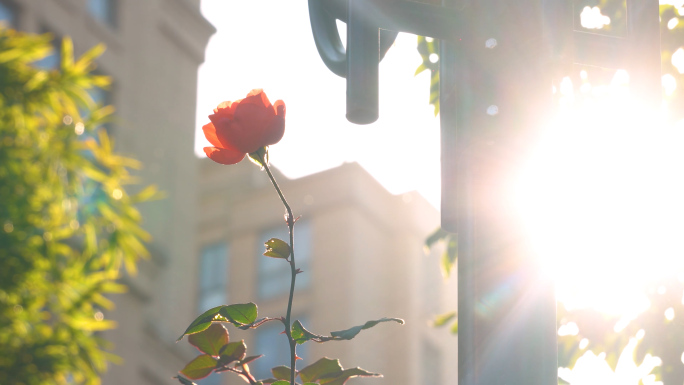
498, 61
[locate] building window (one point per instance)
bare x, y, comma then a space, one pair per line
103, 11
276, 350
213, 281
431, 363
274, 274
8, 14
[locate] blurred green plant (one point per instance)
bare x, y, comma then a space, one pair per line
67, 224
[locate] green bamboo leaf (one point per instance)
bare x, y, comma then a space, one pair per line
281, 372
67, 54
277, 248
210, 340
200, 367
240, 314
203, 321
443, 319
438, 235
86, 60
352, 332
322, 367
147, 194
449, 257
454, 327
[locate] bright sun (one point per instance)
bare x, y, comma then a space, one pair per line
603, 199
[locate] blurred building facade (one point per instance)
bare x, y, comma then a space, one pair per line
361, 250
154, 48
359, 246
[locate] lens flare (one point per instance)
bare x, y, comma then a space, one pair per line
602, 200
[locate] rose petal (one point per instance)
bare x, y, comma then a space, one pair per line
275, 131
224, 156
222, 106
210, 133
255, 91
250, 126
258, 97
279, 108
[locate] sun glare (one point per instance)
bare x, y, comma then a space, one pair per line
603, 199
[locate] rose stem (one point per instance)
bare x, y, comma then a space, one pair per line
290, 225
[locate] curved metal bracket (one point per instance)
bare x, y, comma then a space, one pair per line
324, 16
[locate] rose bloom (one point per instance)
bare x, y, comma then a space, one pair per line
244, 126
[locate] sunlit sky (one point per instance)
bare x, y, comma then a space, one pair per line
269, 45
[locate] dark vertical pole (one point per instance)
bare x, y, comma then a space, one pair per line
454, 98
495, 92
363, 57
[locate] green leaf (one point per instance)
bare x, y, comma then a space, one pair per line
147, 194
443, 319
454, 327
449, 257
257, 156
67, 54
426, 49
281, 382
276, 248
301, 335
234, 351
352, 332
240, 314
200, 367
184, 380
210, 340
342, 377
438, 235
281, 372
249, 359
203, 321
322, 367
258, 323
448, 260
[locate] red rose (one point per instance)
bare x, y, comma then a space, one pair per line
243, 127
